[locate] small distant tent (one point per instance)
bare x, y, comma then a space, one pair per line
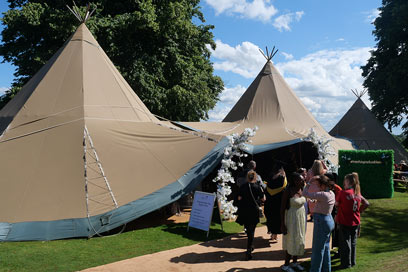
360, 126
273, 106
81, 154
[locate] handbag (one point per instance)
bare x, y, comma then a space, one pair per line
260, 211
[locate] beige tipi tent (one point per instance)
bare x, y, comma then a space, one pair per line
360, 126
270, 104
81, 154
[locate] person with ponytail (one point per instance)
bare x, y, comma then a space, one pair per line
318, 168
350, 204
323, 224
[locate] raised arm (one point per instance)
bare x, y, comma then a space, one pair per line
316, 195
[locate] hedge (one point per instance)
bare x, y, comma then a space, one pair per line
375, 170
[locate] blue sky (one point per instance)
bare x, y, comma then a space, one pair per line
321, 46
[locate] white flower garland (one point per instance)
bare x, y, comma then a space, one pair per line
236, 147
324, 149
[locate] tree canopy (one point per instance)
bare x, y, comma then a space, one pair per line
386, 72
159, 46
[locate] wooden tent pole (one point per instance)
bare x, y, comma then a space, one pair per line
263, 54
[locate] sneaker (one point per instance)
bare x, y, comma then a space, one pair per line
287, 268
297, 266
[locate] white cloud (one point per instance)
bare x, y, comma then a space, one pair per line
231, 95
243, 59
3, 90
282, 22
228, 98
261, 10
326, 73
287, 55
312, 105
371, 15
340, 40
322, 80
218, 113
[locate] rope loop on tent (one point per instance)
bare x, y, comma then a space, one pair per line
268, 55
82, 18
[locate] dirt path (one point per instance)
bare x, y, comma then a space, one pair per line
225, 254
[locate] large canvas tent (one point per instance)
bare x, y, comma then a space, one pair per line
81, 154
273, 106
360, 126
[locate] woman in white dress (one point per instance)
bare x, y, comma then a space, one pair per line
293, 222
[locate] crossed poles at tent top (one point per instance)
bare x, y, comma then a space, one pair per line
359, 94
77, 13
268, 55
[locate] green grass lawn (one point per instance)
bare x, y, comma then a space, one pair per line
383, 245
77, 254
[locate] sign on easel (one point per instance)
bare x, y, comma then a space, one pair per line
202, 211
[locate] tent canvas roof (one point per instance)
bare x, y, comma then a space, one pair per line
361, 127
139, 165
273, 106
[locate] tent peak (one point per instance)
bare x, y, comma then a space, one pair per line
82, 18
359, 94
268, 55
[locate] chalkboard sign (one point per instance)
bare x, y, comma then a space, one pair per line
202, 211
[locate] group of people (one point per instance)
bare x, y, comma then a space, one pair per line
288, 200
402, 166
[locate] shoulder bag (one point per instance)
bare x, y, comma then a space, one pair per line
261, 215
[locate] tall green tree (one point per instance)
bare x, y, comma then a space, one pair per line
386, 72
159, 46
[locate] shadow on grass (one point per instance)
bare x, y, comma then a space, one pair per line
400, 189
195, 234
387, 227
